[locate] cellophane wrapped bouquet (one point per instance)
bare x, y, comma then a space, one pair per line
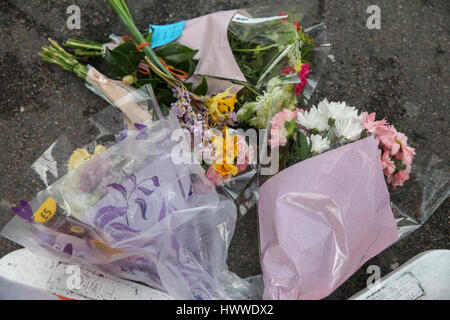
328, 211
134, 213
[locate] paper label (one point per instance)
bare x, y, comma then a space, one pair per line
243, 19
162, 35
46, 211
407, 287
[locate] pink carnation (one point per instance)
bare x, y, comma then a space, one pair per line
370, 124
386, 135
407, 155
394, 145
277, 127
399, 178
387, 164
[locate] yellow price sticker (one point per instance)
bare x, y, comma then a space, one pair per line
46, 211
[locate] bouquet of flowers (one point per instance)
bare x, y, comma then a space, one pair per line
328, 211
127, 99
135, 213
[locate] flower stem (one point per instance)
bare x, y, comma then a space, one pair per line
120, 7
57, 55
81, 44
256, 49
80, 52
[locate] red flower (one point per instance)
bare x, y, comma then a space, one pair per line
287, 70
302, 76
283, 14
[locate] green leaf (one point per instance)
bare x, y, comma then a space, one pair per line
291, 128
245, 95
398, 127
192, 65
305, 148
164, 96
130, 51
148, 37
399, 165
153, 81
164, 109
118, 63
202, 87
175, 53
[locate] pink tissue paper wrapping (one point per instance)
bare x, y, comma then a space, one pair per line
322, 219
208, 34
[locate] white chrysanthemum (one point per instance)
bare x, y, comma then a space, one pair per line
348, 129
313, 119
338, 110
349, 113
319, 144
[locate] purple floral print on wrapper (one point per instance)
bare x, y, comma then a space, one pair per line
25, 213
136, 193
137, 204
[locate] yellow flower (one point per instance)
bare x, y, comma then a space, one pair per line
221, 104
225, 169
226, 152
80, 156
298, 67
226, 148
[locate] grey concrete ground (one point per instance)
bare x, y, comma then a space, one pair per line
401, 72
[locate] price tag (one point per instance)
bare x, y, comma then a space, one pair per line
46, 211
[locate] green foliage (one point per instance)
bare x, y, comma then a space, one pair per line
398, 127
118, 63
175, 53
304, 151
399, 165
125, 59
178, 56
202, 87
256, 47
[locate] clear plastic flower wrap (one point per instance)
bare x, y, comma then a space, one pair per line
273, 41
135, 213
340, 188
260, 51
254, 45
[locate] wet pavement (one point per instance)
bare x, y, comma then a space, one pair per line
400, 71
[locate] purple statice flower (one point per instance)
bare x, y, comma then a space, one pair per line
188, 117
179, 109
177, 93
233, 118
